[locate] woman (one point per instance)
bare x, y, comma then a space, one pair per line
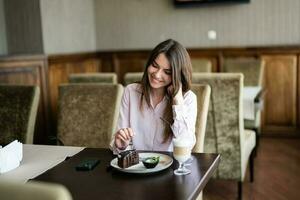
162, 106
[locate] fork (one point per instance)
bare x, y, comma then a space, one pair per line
131, 144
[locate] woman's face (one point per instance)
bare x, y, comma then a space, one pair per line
160, 72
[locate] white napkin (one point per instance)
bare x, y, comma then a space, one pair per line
10, 156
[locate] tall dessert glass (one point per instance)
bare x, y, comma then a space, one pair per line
181, 152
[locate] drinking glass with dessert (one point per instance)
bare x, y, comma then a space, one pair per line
182, 153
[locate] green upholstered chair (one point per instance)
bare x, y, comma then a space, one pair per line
201, 65
132, 77
93, 78
253, 71
87, 113
18, 110
203, 95
33, 190
225, 133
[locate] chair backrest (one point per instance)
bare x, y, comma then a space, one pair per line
225, 126
18, 110
88, 113
203, 95
252, 68
33, 190
201, 65
132, 77
93, 78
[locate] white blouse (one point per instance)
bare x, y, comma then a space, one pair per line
148, 125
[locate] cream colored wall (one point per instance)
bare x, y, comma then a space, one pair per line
68, 26
141, 24
3, 45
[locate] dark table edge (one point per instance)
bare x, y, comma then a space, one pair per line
209, 173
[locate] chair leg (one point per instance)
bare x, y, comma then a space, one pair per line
256, 141
251, 163
240, 190
257, 136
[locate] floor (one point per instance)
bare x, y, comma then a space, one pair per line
276, 174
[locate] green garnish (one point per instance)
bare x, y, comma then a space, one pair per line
152, 159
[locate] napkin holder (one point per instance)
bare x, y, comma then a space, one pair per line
10, 156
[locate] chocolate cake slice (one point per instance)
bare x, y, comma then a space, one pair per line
128, 158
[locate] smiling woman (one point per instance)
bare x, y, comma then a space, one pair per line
161, 106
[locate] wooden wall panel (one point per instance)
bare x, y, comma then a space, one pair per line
20, 75
129, 62
107, 63
280, 109
29, 71
59, 70
213, 57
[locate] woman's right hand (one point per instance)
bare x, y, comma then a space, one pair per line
178, 97
123, 137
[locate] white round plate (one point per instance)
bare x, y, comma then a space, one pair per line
165, 161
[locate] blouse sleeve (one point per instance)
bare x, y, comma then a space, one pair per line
184, 116
123, 120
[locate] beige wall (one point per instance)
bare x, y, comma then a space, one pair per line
140, 24
68, 26
3, 46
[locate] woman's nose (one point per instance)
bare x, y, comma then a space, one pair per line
157, 74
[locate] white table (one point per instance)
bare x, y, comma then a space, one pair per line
37, 159
250, 107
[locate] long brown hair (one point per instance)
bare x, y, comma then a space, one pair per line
181, 67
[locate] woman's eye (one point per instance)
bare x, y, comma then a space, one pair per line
155, 66
168, 72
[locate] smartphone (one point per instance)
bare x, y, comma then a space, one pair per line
87, 164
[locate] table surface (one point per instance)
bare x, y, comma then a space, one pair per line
107, 183
37, 159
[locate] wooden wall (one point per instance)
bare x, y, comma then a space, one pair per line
280, 116
281, 74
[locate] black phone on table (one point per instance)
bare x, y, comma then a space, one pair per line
87, 164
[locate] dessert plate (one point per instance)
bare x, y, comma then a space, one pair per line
165, 161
